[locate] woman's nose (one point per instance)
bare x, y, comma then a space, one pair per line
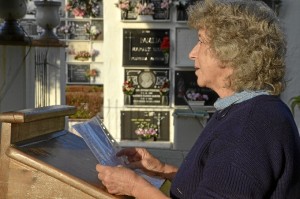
193, 53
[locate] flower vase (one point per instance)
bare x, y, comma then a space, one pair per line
82, 58
145, 139
93, 78
124, 14
181, 15
128, 100
166, 58
145, 18
166, 14
164, 100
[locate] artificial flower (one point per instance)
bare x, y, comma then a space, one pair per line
128, 87
165, 44
165, 88
146, 130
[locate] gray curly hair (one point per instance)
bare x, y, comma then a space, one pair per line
247, 36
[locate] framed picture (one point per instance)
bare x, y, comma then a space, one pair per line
187, 89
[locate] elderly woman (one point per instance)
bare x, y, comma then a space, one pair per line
250, 147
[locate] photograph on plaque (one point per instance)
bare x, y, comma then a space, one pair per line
147, 85
78, 73
146, 47
186, 86
135, 124
186, 39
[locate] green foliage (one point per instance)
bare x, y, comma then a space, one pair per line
295, 101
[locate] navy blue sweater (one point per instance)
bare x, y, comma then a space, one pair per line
248, 150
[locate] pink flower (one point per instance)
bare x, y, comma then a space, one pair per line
146, 130
78, 12
165, 4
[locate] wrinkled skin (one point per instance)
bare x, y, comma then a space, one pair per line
140, 158
124, 181
118, 180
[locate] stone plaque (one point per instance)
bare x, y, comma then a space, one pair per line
78, 73
141, 47
131, 119
147, 83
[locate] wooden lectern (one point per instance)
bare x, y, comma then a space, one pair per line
41, 159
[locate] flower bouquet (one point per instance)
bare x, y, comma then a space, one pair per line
165, 44
144, 8
128, 87
165, 6
165, 48
92, 73
92, 31
83, 8
82, 55
165, 88
126, 6
67, 29
196, 98
146, 131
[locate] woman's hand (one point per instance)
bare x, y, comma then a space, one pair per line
123, 181
119, 180
140, 158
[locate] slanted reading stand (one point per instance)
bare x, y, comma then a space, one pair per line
41, 159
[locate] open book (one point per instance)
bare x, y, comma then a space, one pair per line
104, 146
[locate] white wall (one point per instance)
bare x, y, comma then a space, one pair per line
290, 16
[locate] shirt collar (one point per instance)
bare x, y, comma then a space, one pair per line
222, 103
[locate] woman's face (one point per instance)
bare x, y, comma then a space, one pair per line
209, 70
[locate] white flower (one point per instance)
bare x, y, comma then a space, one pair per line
94, 30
